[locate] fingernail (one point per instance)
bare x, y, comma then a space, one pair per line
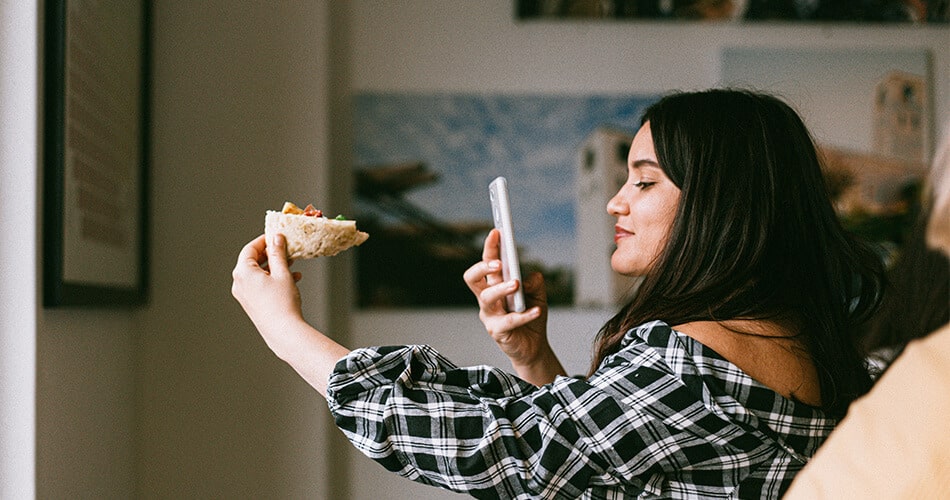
494, 265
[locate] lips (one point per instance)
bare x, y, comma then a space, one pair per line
621, 233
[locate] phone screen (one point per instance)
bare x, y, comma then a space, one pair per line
501, 214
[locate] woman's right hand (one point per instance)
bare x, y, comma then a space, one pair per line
267, 289
521, 336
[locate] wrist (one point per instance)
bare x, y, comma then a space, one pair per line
542, 368
540, 357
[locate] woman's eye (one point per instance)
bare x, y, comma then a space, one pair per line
643, 184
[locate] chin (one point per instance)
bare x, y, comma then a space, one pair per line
627, 269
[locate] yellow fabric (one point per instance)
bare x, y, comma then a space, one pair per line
895, 441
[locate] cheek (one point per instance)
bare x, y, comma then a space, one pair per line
659, 215
668, 218
656, 234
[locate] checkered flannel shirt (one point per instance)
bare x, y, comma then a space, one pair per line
663, 417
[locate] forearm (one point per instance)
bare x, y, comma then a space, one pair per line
310, 353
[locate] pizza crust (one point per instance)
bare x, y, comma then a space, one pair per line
309, 237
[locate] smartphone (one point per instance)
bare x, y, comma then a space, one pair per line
501, 214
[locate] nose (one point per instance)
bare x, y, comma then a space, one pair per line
617, 206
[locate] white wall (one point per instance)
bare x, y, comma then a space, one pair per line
239, 126
85, 408
180, 399
18, 247
65, 376
464, 46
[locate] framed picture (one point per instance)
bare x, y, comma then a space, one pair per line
95, 153
784, 11
423, 163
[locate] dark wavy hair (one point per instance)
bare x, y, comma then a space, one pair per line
755, 235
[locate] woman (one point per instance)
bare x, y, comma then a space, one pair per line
720, 378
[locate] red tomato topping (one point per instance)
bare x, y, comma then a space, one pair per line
312, 212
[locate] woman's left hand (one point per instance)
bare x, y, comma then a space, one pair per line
521, 336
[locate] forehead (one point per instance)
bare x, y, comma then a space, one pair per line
642, 153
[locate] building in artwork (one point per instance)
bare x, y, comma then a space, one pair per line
879, 182
901, 125
601, 171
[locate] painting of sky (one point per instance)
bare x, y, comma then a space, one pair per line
469, 139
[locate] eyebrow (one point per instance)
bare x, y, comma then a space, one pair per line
645, 163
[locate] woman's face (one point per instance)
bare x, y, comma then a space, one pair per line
644, 207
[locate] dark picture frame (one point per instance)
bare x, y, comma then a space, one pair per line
95, 153
746, 11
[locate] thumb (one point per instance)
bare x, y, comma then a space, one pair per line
277, 255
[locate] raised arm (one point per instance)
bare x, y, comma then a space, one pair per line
267, 290
521, 336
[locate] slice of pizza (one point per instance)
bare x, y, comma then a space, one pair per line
310, 234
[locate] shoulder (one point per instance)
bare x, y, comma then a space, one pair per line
671, 347
653, 334
654, 356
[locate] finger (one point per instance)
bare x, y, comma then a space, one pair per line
254, 251
277, 256
251, 258
475, 276
510, 321
494, 295
248, 262
491, 253
492, 248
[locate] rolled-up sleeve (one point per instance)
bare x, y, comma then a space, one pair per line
485, 432
476, 430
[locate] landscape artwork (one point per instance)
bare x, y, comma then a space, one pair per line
422, 166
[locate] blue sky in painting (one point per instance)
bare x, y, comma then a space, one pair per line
469, 139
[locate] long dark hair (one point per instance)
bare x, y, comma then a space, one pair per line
755, 235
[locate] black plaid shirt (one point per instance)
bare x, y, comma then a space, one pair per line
663, 417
